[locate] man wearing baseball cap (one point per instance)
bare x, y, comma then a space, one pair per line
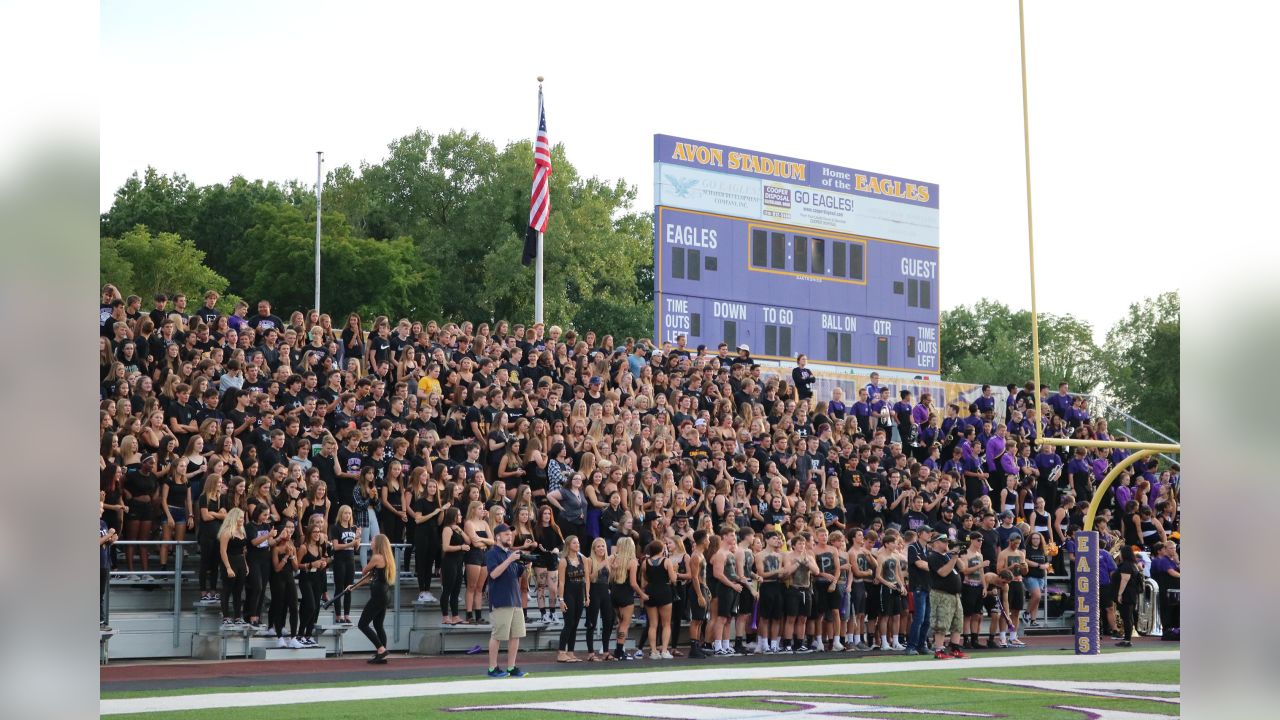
944, 596
504, 602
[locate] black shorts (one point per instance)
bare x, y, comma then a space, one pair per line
872, 605
1017, 596
991, 603
892, 602
971, 599
746, 600
726, 601
771, 601
825, 600
659, 595
797, 602
858, 601
621, 595
698, 612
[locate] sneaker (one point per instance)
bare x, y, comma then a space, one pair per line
422, 597
666, 655
897, 646
639, 654
515, 672
133, 579
227, 622
1016, 643
147, 579
429, 597
1124, 643
861, 646
627, 656
282, 643
762, 649
958, 654
803, 649
1035, 624
911, 651
818, 647
722, 653
295, 643
942, 655
655, 655
837, 646
241, 621
497, 673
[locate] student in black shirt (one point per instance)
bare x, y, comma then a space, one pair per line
944, 596
264, 320
1128, 580
919, 582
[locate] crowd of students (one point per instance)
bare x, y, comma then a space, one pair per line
690, 487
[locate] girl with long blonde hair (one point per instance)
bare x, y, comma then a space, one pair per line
380, 575
623, 589
235, 567
599, 606
479, 537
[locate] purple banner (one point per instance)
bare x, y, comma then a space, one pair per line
1086, 591
767, 166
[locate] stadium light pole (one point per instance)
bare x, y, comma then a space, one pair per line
319, 181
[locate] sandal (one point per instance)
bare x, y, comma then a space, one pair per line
593, 658
573, 659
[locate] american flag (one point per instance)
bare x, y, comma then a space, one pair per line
540, 197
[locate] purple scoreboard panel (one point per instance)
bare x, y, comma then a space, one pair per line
792, 256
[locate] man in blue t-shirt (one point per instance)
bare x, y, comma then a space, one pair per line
502, 563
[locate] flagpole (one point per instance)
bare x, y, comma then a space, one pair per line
319, 162
537, 272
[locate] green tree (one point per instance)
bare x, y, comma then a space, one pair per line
164, 203
223, 215
357, 274
142, 263
989, 342
1142, 357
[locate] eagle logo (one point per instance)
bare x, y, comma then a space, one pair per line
680, 187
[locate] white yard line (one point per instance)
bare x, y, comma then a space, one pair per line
206, 701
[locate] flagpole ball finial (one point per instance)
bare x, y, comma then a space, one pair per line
539, 78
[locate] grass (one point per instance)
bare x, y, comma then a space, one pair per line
932, 687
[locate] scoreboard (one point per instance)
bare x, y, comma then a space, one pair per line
791, 256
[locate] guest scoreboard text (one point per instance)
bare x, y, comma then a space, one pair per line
793, 256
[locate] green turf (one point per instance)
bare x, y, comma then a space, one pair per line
931, 687
251, 685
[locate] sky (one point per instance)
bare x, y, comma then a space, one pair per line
922, 90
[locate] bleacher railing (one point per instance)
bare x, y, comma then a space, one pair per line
177, 575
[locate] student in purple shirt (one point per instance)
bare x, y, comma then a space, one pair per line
986, 402
1000, 461
862, 413
1081, 473
836, 407
878, 405
951, 420
873, 387
1046, 460
1020, 426
1061, 402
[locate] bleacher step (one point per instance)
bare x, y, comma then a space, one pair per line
279, 653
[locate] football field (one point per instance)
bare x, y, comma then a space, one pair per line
1116, 686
